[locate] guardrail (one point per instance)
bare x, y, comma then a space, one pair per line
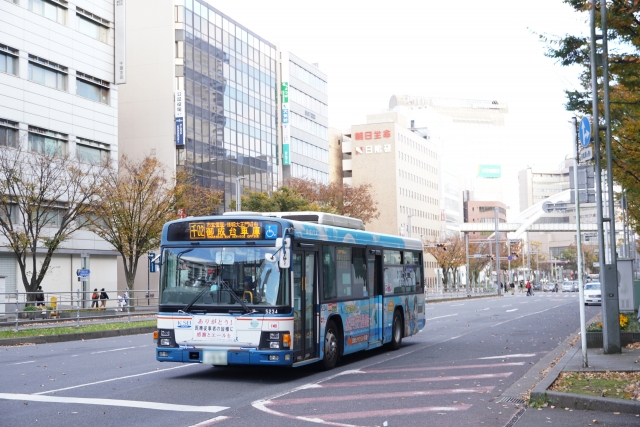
21, 308
461, 292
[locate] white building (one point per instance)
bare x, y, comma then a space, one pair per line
304, 119
57, 61
472, 140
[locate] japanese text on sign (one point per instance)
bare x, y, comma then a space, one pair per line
219, 230
378, 134
373, 149
214, 328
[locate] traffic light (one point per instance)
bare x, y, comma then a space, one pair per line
442, 245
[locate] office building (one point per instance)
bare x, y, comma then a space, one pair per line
200, 94
472, 140
403, 168
57, 89
482, 211
305, 120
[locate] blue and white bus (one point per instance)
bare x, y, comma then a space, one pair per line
284, 289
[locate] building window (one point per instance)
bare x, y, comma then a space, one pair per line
47, 73
92, 152
8, 60
47, 142
49, 9
92, 88
88, 26
8, 133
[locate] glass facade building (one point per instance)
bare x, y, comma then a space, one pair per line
229, 81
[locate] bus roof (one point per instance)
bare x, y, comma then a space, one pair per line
306, 231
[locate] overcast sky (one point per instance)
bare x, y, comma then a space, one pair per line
470, 49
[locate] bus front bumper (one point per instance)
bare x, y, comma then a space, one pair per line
244, 356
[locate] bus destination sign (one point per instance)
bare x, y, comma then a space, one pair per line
225, 230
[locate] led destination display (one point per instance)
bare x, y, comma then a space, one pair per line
222, 230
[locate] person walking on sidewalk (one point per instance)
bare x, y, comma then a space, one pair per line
94, 298
528, 286
103, 298
40, 297
513, 288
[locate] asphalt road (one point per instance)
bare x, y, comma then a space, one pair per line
451, 373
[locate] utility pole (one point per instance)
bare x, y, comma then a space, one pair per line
239, 193
466, 244
608, 272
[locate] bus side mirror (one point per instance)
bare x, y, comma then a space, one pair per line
285, 254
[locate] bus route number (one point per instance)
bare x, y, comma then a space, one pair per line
271, 311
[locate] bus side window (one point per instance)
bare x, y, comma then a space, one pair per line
329, 272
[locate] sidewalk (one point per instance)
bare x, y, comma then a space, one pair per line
627, 361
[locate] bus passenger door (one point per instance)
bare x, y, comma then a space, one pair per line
374, 290
304, 316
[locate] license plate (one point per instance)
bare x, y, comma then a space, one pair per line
214, 357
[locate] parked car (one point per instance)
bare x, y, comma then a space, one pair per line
551, 287
536, 286
567, 286
593, 293
576, 286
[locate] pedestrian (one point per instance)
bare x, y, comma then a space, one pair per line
94, 298
120, 303
40, 297
521, 286
103, 298
513, 288
528, 286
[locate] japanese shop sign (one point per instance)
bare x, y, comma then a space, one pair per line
214, 328
373, 149
377, 134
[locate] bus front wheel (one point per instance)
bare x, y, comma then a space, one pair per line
396, 331
331, 347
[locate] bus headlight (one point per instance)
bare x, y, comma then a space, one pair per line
274, 345
165, 342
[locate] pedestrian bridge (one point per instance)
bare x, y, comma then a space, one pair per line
526, 221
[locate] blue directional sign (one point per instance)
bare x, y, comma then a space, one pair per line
584, 134
83, 272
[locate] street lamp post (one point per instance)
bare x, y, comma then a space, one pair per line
238, 195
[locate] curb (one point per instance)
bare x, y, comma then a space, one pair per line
578, 401
77, 337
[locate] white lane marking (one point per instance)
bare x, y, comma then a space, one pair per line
207, 423
525, 315
22, 363
115, 349
513, 309
507, 356
508, 305
74, 355
440, 317
116, 379
113, 402
456, 305
485, 309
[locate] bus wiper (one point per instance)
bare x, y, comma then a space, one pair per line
196, 298
236, 297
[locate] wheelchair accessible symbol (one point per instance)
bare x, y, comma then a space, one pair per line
271, 231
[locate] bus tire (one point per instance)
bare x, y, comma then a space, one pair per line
331, 346
397, 328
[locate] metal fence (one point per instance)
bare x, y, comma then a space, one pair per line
20, 308
461, 292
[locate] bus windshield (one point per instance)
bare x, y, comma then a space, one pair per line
187, 272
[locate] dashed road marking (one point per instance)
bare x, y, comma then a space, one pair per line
507, 356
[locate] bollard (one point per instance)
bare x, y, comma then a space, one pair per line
78, 310
128, 307
17, 311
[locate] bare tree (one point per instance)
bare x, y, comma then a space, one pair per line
137, 200
45, 198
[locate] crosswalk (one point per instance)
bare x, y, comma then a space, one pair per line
372, 396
